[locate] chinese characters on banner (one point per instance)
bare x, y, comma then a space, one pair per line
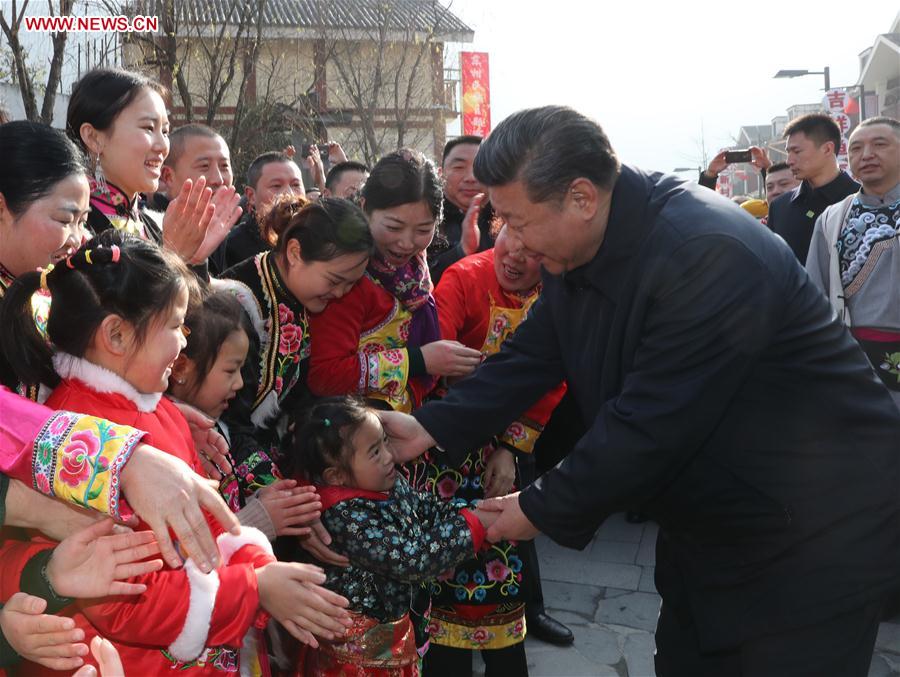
476, 93
836, 102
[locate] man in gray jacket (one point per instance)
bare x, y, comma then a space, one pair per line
854, 256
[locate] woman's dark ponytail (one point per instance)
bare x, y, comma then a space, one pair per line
27, 352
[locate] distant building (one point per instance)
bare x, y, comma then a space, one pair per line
879, 73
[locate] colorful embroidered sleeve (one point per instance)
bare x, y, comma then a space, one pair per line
407, 537
72, 457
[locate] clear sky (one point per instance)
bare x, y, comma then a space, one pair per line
651, 71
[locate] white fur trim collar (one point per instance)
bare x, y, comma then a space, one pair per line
103, 380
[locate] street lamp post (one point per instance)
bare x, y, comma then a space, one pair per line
799, 73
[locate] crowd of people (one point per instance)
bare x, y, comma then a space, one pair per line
375, 368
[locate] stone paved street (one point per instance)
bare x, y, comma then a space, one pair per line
606, 595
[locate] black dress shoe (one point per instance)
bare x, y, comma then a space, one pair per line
548, 629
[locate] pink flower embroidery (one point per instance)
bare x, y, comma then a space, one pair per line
393, 356
497, 571
447, 487
481, 636
279, 384
499, 325
285, 314
76, 467
43, 484
291, 335
59, 425
516, 431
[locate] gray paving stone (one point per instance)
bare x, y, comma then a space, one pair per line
566, 663
562, 564
599, 645
573, 597
621, 552
888, 638
639, 648
646, 584
615, 592
647, 551
615, 528
637, 610
879, 667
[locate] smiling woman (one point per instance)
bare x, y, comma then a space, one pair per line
43, 207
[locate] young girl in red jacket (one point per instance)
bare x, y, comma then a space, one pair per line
116, 323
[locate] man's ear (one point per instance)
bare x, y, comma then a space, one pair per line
115, 335
334, 477
584, 197
250, 194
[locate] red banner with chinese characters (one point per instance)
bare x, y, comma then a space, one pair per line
476, 93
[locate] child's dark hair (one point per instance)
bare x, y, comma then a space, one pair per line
326, 229
402, 177
35, 158
99, 97
111, 274
322, 437
213, 319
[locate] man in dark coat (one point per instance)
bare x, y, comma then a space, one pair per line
722, 396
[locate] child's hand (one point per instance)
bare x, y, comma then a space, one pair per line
486, 517
52, 641
107, 658
499, 473
291, 508
91, 563
292, 593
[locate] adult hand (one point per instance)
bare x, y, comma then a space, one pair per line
716, 165
292, 509
499, 473
52, 641
166, 493
107, 658
471, 233
759, 158
290, 151
336, 154
316, 543
187, 218
315, 166
449, 358
292, 593
408, 438
227, 203
511, 524
28, 509
208, 442
92, 563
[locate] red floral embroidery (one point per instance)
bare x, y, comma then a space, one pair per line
516, 431
497, 570
481, 636
43, 484
291, 336
285, 314
447, 487
76, 459
279, 384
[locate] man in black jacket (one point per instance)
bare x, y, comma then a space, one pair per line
722, 396
813, 142
453, 241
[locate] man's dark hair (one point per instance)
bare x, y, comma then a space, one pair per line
777, 167
254, 171
336, 172
819, 127
468, 139
893, 123
547, 148
177, 138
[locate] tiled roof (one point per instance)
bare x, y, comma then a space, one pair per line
360, 15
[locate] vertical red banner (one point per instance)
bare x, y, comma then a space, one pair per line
476, 93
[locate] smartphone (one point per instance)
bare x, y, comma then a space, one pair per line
733, 156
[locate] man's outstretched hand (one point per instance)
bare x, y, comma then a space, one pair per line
511, 524
408, 439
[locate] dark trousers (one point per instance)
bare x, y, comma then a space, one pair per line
838, 647
445, 661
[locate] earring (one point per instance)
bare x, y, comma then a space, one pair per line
99, 176
179, 381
